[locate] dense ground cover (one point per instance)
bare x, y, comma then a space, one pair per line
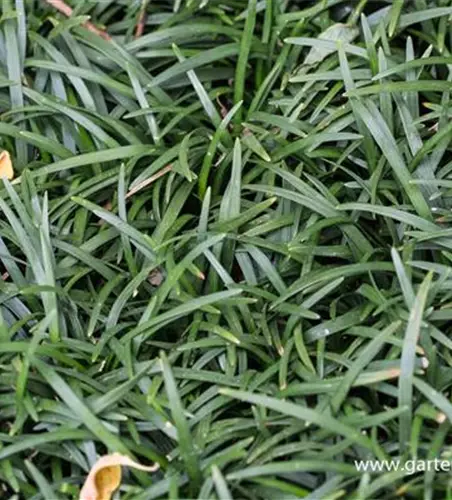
226, 247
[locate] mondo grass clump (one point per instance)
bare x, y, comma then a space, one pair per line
225, 247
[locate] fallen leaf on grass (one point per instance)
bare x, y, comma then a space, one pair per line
6, 166
105, 476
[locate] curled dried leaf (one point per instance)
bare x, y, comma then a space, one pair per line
105, 476
6, 165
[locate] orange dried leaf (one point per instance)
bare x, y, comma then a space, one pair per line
6, 166
105, 476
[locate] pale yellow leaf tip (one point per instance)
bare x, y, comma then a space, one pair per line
104, 478
6, 166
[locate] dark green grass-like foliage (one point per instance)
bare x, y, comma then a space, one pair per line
227, 247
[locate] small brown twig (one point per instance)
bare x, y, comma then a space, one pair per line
223, 109
148, 181
65, 9
141, 23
